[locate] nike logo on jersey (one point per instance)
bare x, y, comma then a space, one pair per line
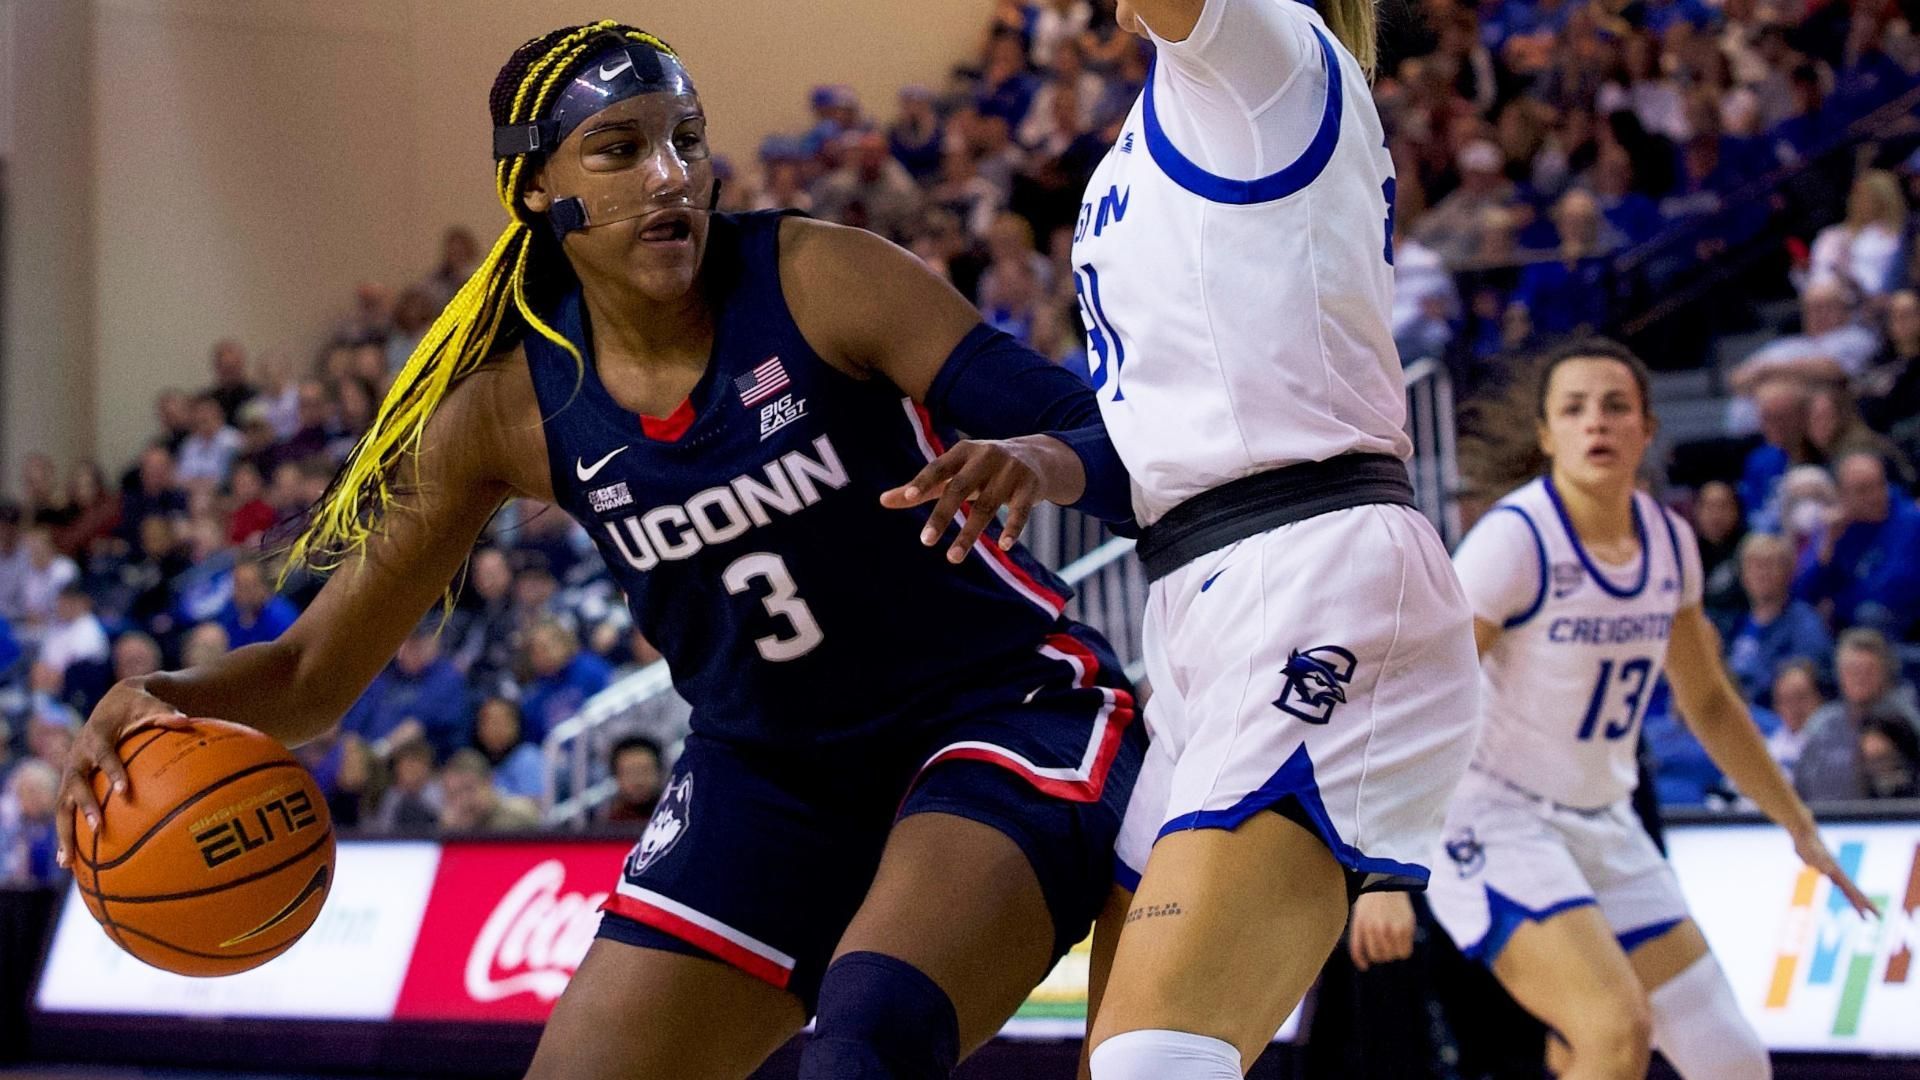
608, 71
1208, 584
587, 472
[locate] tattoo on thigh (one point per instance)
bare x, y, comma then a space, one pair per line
1154, 911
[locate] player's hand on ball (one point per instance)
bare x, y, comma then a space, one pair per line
126, 708
1382, 929
984, 475
1813, 851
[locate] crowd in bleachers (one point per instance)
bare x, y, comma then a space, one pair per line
1558, 162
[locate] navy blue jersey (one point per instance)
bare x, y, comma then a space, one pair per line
747, 530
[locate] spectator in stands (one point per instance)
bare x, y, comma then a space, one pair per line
1067, 77
1783, 407
413, 314
315, 430
1836, 429
1057, 26
459, 257
1452, 226
39, 492
14, 564
516, 763
564, 677
1891, 391
420, 695
1007, 86
639, 776
1831, 346
1719, 526
916, 136
208, 453
1860, 251
1863, 567
135, 655
1890, 756
230, 388
469, 802
412, 801
152, 492
1805, 131
254, 614
27, 840
481, 634
1796, 698
870, 190
204, 644
48, 572
249, 514
173, 408
74, 634
1831, 764
94, 511
1571, 293
51, 728
1776, 628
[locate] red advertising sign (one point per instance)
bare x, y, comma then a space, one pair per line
505, 927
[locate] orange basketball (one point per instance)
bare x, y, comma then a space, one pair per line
218, 857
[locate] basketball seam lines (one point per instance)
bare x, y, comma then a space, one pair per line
181, 808
100, 894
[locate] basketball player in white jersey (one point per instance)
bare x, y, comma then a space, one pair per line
1310, 651
1584, 590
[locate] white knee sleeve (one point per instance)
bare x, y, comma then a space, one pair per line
1165, 1055
1698, 1026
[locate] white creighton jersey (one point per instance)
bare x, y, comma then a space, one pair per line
1583, 646
1233, 258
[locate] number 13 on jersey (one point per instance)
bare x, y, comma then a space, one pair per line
1628, 687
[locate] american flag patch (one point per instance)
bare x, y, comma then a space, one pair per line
762, 382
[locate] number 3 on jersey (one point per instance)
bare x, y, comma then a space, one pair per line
1632, 682
782, 601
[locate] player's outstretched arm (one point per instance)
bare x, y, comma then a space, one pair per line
472, 456
873, 310
1714, 711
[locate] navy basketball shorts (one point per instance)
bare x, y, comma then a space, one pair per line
760, 858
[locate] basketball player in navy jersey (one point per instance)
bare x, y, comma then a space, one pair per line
898, 804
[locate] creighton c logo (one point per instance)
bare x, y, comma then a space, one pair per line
1316, 682
1830, 945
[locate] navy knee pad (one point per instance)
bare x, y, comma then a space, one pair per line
881, 1019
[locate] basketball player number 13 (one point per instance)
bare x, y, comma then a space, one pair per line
1634, 672
782, 601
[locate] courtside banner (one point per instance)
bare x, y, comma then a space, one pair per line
349, 966
1809, 973
505, 928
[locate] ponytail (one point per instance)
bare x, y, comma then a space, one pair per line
1357, 26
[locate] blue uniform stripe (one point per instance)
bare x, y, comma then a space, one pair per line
1277, 185
1540, 551
1600, 579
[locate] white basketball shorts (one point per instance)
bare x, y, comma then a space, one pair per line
1507, 857
1324, 670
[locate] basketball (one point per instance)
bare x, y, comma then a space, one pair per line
218, 857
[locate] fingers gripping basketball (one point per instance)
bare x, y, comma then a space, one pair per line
216, 859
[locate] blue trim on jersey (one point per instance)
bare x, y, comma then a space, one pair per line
1673, 537
1633, 939
1278, 185
1295, 780
1505, 915
1639, 530
1125, 876
1539, 549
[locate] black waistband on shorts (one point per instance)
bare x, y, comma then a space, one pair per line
1267, 500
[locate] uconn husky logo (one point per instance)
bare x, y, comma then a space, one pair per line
664, 829
1316, 682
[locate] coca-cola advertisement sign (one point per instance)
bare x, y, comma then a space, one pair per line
505, 927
